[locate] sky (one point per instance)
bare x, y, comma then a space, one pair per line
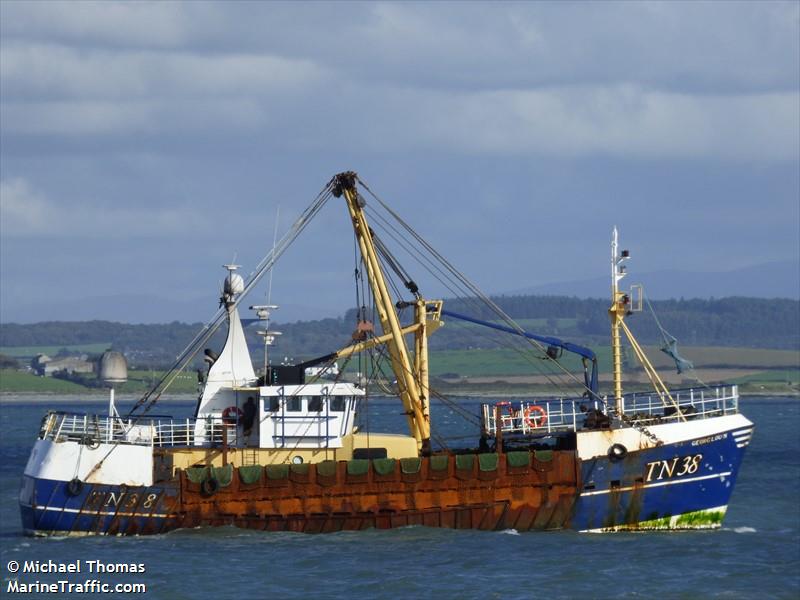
144, 144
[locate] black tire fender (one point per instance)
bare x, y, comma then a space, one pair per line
209, 487
617, 452
74, 487
90, 442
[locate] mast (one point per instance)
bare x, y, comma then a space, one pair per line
621, 307
411, 378
617, 313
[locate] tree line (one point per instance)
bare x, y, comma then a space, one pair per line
736, 321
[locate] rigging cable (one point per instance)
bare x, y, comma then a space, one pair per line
670, 348
149, 399
521, 347
183, 359
518, 346
477, 293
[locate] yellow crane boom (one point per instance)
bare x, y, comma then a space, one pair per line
412, 377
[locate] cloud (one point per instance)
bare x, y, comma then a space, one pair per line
705, 47
53, 72
134, 117
27, 213
619, 79
622, 121
625, 121
201, 98
506, 127
159, 24
22, 211
62, 91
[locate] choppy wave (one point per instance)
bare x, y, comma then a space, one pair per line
744, 530
419, 562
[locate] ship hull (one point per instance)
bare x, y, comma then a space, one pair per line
679, 484
461, 493
487, 494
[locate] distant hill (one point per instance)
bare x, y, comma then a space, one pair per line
733, 322
780, 279
769, 280
137, 308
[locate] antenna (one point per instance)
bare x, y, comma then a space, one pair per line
263, 311
274, 243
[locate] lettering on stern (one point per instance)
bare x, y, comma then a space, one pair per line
126, 501
709, 439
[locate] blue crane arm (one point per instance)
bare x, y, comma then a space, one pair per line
586, 353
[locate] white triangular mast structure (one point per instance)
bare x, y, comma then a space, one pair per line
233, 367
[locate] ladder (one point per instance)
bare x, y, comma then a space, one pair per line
249, 456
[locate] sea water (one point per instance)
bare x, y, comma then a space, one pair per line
755, 555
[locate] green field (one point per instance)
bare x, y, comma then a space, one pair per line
791, 376
482, 363
184, 383
31, 351
17, 381
778, 367
138, 381
543, 324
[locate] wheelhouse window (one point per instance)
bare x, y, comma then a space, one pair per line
315, 404
294, 404
273, 403
337, 403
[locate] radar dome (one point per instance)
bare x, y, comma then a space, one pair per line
113, 367
234, 284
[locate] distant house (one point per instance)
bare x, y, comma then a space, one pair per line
46, 366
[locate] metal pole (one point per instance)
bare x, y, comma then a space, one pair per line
498, 427
111, 412
224, 444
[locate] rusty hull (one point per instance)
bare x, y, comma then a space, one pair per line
539, 496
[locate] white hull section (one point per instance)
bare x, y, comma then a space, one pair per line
592, 444
119, 464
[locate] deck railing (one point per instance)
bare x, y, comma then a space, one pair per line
92, 430
539, 417
526, 417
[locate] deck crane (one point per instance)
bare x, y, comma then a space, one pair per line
586, 354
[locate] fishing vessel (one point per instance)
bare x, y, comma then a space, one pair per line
282, 449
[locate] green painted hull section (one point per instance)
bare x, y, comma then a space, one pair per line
700, 519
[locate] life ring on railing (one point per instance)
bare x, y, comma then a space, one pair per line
535, 416
232, 414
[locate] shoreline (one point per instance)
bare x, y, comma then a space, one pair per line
10, 397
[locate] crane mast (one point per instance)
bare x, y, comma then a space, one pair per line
621, 307
412, 376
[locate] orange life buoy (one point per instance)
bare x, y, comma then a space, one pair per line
232, 414
535, 416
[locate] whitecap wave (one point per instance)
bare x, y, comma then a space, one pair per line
510, 532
